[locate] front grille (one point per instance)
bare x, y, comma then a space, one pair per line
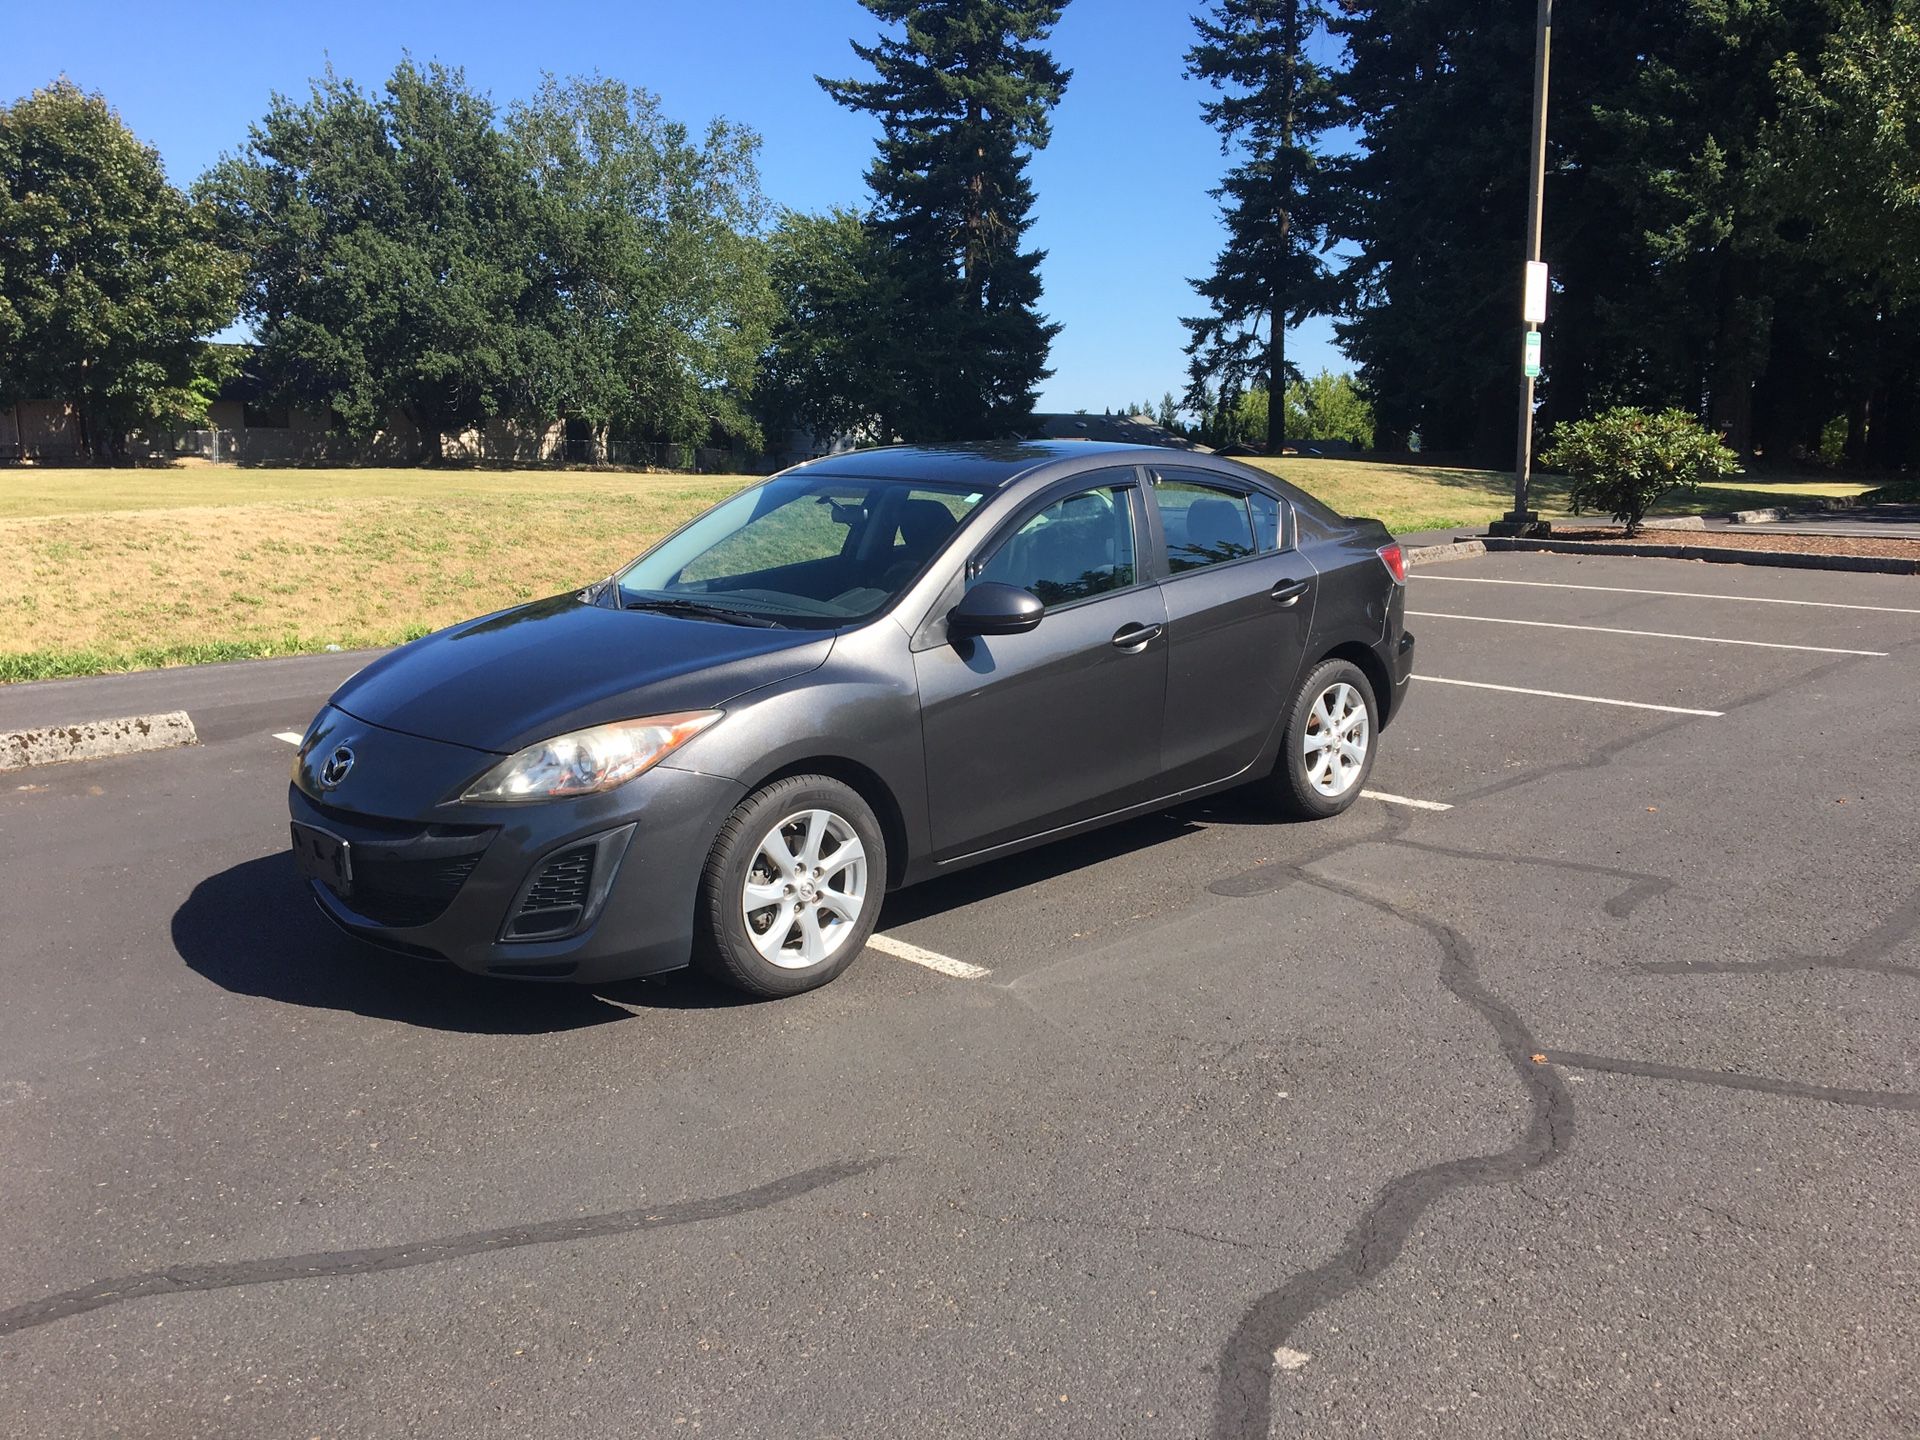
405, 873
401, 893
557, 899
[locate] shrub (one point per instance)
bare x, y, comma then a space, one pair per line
1624, 460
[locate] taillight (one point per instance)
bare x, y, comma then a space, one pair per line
1395, 559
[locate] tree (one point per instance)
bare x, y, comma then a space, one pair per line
824, 369
962, 94
664, 306
110, 281
1329, 407
394, 257
1729, 217
1845, 146
1280, 202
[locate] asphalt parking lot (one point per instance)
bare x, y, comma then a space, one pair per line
1583, 1107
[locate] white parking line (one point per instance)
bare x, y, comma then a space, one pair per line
1403, 800
1563, 695
1671, 594
945, 964
1645, 634
292, 737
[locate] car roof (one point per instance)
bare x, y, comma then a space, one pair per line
985, 466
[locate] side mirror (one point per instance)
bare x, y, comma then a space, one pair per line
991, 608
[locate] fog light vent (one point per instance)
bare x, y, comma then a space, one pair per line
556, 901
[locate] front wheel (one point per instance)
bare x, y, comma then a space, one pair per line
792, 888
1327, 752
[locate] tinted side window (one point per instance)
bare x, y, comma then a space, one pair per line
1075, 548
1204, 525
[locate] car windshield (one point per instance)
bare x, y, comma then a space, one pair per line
809, 550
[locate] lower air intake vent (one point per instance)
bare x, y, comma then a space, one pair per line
557, 899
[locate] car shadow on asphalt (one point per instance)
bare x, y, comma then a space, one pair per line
254, 930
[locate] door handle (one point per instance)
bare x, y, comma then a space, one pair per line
1135, 637
1288, 592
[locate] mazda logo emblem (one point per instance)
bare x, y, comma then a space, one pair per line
338, 764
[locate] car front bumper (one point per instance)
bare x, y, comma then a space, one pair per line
590, 890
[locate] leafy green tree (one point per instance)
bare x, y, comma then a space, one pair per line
1168, 415
1729, 217
664, 304
1279, 201
824, 369
110, 281
394, 256
1843, 148
1329, 407
1625, 460
962, 90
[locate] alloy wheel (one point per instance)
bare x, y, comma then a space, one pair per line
805, 889
1336, 741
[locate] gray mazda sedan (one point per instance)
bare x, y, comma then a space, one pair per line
861, 673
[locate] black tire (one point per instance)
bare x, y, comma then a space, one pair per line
724, 943
1291, 787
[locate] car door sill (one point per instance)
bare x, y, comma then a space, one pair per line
1094, 822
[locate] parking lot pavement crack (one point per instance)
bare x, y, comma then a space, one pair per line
185, 1279
1731, 1080
1243, 1400
1643, 887
1869, 953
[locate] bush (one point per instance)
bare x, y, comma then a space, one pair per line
1624, 460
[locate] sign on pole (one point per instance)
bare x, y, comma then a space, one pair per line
1532, 355
1534, 308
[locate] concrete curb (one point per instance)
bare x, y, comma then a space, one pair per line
1433, 554
1771, 514
95, 739
1718, 555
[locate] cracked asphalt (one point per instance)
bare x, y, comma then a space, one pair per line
1584, 1108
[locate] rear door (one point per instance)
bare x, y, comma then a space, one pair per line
1240, 599
1027, 733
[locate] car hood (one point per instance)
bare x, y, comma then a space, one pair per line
506, 681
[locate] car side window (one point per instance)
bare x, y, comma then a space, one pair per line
1204, 525
1269, 522
1074, 549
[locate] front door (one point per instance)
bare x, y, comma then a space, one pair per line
1028, 733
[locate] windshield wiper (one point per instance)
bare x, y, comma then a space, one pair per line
704, 610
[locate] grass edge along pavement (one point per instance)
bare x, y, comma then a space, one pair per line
122, 570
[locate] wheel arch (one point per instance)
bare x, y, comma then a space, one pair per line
1369, 663
869, 786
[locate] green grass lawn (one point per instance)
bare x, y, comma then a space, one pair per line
130, 569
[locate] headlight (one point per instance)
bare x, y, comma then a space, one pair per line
585, 762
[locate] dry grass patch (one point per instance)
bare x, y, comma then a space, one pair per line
122, 589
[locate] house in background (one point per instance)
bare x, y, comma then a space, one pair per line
39, 430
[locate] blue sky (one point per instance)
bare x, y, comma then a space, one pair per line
1123, 207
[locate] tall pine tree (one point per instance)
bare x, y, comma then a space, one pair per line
962, 93
1279, 202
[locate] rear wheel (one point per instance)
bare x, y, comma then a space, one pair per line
792, 888
1327, 752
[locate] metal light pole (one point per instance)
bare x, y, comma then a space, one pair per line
1520, 520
